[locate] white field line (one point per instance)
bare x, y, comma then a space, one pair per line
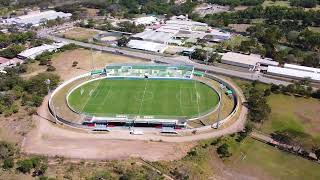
195, 86
144, 92
106, 97
180, 99
89, 97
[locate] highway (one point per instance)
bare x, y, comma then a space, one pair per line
172, 60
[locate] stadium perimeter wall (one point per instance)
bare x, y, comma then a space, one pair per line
204, 128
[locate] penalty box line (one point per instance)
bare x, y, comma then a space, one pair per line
89, 97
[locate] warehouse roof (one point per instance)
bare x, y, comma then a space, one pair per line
145, 20
293, 73
251, 59
35, 51
303, 68
147, 46
38, 18
155, 36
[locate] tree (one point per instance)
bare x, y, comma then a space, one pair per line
223, 150
12, 51
199, 54
123, 41
317, 152
215, 57
259, 110
316, 94
25, 166
106, 175
6, 150
8, 163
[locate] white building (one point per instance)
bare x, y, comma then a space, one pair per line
294, 73
302, 68
35, 51
154, 36
36, 19
247, 61
147, 46
147, 20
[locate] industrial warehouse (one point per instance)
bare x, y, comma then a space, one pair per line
36, 18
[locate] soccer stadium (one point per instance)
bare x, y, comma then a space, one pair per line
137, 95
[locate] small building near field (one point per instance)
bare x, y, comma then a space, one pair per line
246, 61
147, 46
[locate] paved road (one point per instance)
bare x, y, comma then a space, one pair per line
172, 60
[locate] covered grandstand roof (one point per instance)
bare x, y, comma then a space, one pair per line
147, 46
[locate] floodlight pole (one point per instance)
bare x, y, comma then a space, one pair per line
92, 65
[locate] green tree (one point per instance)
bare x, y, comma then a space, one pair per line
199, 54
223, 150
123, 41
25, 166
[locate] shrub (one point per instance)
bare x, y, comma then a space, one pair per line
74, 63
8, 163
223, 150
25, 166
51, 68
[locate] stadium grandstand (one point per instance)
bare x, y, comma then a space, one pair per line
150, 71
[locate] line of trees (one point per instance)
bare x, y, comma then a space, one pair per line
203, 55
234, 3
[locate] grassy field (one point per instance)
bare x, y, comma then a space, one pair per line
266, 162
299, 116
80, 34
144, 97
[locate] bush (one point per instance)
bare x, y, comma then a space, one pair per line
6, 150
51, 68
25, 166
74, 63
223, 150
8, 163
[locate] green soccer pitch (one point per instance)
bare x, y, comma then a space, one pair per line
143, 97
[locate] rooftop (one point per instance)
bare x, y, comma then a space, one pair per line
302, 68
293, 73
251, 59
147, 46
3, 60
155, 36
37, 18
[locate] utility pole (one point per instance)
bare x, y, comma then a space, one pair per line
92, 65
